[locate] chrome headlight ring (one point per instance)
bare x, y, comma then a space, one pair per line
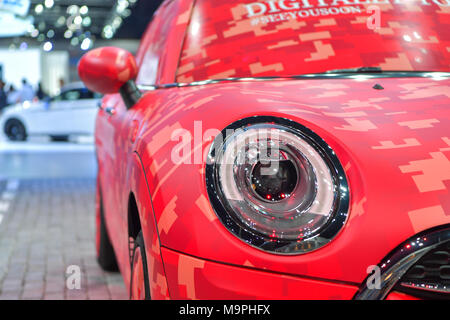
297, 209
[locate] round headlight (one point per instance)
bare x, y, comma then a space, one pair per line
277, 185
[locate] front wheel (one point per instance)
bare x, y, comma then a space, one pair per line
139, 287
105, 252
15, 130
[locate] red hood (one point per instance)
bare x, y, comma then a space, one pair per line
394, 144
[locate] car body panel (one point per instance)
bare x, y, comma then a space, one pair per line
400, 131
400, 296
192, 278
390, 134
114, 134
265, 39
159, 52
123, 175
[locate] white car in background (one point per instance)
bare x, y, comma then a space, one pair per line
72, 112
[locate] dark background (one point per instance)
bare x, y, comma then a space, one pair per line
141, 15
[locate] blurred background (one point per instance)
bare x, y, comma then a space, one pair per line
44, 109
47, 155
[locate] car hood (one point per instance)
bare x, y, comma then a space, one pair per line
391, 135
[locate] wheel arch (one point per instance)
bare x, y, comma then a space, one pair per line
19, 121
134, 220
140, 217
14, 117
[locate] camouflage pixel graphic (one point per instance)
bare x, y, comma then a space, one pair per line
394, 145
231, 39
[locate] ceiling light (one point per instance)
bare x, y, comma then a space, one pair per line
84, 10
68, 34
87, 21
48, 46
74, 41
78, 20
108, 32
61, 21
117, 22
86, 44
39, 8
73, 10
49, 3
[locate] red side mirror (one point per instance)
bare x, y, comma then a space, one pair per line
106, 70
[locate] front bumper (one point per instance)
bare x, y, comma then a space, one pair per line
192, 278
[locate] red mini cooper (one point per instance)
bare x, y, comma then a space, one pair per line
282, 149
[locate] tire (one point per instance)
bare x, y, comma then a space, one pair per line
59, 138
15, 130
139, 284
105, 252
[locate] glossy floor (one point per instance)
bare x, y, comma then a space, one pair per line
40, 158
47, 193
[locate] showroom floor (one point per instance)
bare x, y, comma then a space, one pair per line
47, 224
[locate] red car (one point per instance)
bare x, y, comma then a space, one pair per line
291, 149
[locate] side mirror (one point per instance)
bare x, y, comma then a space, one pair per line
110, 70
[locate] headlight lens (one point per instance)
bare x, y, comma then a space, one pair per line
277, 185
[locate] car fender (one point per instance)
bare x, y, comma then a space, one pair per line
137, 184
366, 129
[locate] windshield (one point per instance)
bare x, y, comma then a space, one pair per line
242, 38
